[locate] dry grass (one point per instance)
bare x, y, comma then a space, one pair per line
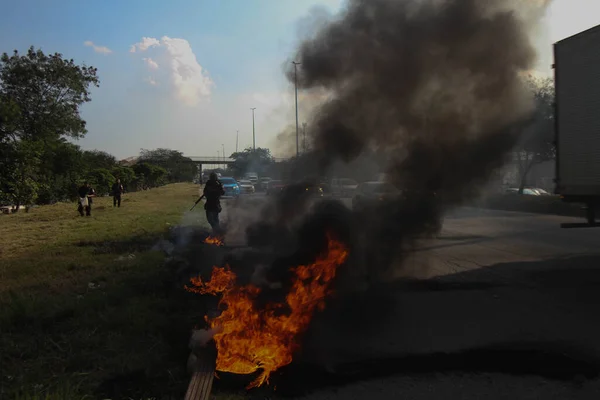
85, 304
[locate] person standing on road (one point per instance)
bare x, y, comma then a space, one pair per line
86, 193
213, 190
117, 191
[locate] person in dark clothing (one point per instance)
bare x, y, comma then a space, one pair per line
213, 190
117, 191
86, 193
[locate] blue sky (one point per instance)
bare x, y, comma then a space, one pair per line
227, 55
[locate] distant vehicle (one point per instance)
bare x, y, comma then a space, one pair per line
325, 185
368, 193
262, 183
526, 191
314, 189
577, 121
246, 187
231, 186
302, 188
274, 187
343, 186
541, 191
382, 177
252, 177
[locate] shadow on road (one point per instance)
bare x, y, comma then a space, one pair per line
522, 318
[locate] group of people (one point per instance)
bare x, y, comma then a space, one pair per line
86, 194
212, 192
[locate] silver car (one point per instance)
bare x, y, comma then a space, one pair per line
246, 187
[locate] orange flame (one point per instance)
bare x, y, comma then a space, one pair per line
217, 241
249, 338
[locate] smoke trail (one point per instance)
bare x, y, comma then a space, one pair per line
432, 88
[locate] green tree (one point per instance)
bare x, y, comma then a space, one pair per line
48, 91
537, 134
101, 179
93, 159
251, 160
63, 162
19, 162
150, 175
40, 96
179, 168
126, 174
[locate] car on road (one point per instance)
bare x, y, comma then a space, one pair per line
368, 193
274, 187
314, 189
263, 183
542, 192
343, 186
311, 188
303, 188
252, 177
231, 186
246, 187
527, 192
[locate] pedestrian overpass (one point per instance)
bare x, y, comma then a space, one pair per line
200, 161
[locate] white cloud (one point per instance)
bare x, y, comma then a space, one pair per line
97, 49
189, 81
151, 81
144, 45
151, 63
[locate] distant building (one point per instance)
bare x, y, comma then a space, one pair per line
128, 162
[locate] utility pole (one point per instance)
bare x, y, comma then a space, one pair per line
237, 136
223, 147
296, 90
253, 133
304, 135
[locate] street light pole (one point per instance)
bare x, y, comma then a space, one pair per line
237, 136
223, 147
296, 92
253, 133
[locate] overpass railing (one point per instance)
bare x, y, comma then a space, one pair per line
224, 160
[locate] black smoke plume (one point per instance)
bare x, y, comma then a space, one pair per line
428, 90
431, 89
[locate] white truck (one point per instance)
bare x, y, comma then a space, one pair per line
577, 119
252, 177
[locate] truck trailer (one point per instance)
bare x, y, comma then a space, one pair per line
577, 119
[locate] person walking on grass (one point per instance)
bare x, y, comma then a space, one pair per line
117, 191
86, 193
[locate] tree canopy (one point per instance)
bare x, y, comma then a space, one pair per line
537, 134
40, 96
251, 160
178, 167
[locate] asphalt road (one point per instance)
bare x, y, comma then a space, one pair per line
492, 279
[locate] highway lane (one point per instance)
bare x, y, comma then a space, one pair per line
494, 278
475, 238
490, 278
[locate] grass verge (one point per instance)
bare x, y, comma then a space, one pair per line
87, 310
